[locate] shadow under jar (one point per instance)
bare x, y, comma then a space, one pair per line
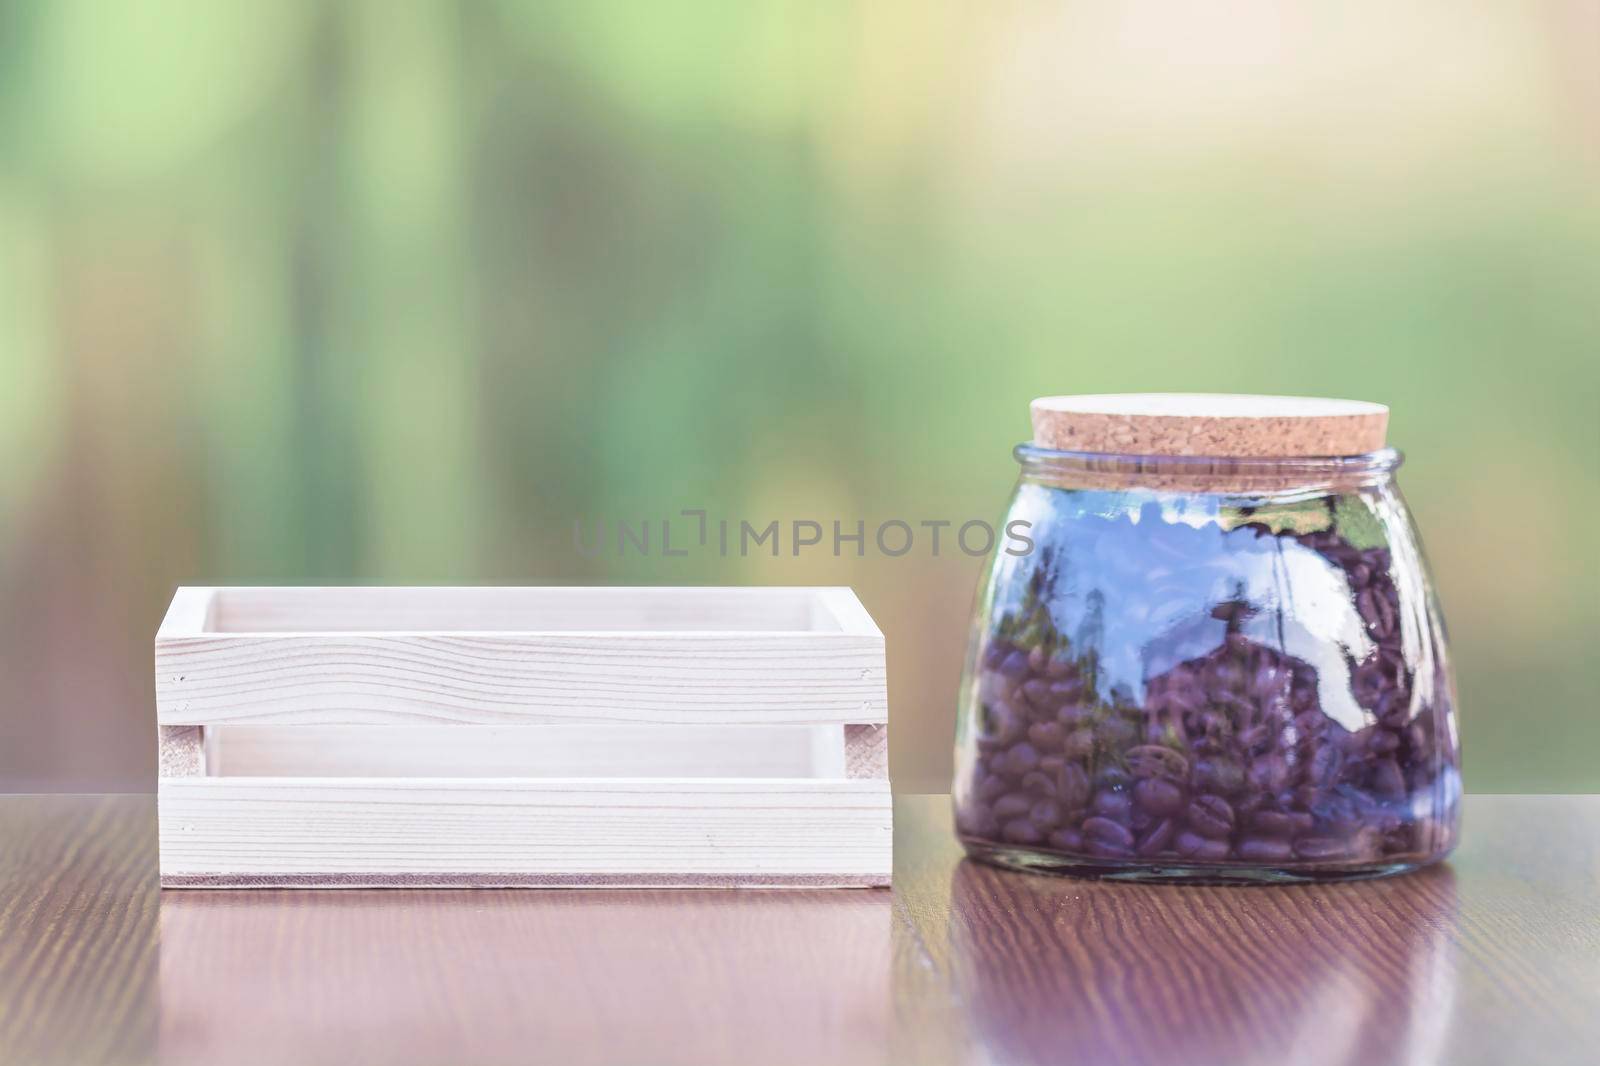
1221, 659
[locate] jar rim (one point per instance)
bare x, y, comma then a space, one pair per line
1382, 460
1199, 469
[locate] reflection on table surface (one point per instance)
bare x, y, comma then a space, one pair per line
1324, 975
511, 975
1494, 959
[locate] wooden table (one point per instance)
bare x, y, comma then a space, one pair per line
1493, 958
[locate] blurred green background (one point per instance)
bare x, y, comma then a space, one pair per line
393, 292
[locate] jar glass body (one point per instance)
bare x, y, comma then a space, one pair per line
1197, 669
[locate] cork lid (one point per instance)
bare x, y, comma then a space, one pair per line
1209, 424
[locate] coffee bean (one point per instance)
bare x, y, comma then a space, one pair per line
1201, 849
1037, 693
1156, 760
1046, 814
1211, 816
1280, 823
1039, 783
1021, 831
1157, 838
1264, 849
1012, 805
1378, 611
1021, 758
1372, 682
1106, 831
1047, 736
1159, 796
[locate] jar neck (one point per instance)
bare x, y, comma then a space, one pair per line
1212, 474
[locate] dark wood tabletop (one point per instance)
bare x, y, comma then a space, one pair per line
1491, 958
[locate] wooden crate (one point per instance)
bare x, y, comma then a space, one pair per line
352, 737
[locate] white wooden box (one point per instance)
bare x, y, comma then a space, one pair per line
353, 737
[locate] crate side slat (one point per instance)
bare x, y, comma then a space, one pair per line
244, 831
468, 678
526, 609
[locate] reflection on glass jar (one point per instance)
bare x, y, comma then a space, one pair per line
1220, 669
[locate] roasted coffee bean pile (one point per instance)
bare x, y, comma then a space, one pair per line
1229, 759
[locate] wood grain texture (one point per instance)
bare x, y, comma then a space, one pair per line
1207, 424
519, 656
351, 832
866, 751
180, 751
79, 953
528, 679
1493, 958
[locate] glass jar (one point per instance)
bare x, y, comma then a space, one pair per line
1225, 667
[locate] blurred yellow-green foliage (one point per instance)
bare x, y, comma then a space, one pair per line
393, 292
